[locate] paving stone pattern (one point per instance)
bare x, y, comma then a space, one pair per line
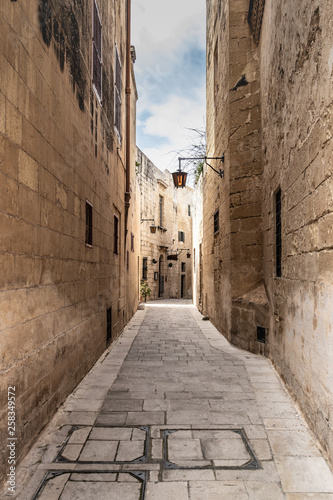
176, 413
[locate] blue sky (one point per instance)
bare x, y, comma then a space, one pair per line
170, 39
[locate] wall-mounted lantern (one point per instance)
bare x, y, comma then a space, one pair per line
154, 261
188, 255
170, 265
153, 227
179, 177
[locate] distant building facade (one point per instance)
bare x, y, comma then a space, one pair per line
69, 280
166, 255
267, 226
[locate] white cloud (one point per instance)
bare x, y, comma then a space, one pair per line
171, 120
169, 37
159, 27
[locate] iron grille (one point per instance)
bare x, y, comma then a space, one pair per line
115, 234
216, 221
117, 94
278, 230
108, 324
144, 268
88, 223
97, 52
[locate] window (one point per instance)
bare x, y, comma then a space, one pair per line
115, 234
216, 221
127, 258
144, 268
108, 324
261, 334
97, 50
132, 242
183, 267
88, 223
189, 210
117, 94
278, 234
256, 12
161, 210
194, 260
181, 236
216, 67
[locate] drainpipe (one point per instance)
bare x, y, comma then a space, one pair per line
128, 106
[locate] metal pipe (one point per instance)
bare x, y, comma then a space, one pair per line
128, 104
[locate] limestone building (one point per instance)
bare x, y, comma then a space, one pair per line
68, 253
267, 226
166, 254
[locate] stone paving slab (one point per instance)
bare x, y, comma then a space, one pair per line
178, 378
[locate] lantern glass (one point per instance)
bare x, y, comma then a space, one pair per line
153, 229
179, 179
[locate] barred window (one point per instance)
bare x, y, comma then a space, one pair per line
278, 234
117, 94
144, 268
216, 221
97, 50
161, 210
89, 228
256, 12
115, 234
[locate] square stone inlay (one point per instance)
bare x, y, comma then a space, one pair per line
208, 449
99, 485
102, 445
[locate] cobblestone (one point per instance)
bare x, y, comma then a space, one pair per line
220, 426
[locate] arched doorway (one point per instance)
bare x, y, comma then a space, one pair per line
161, 277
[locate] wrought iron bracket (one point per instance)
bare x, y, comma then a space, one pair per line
219, 172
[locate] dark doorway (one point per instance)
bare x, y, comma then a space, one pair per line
161, 277
182, 286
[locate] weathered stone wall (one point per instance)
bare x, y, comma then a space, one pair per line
216, 293
156, 247
233, 255
58, 149
274, 118
296, 61
197, 243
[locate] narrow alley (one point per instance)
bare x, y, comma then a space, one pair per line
174, 412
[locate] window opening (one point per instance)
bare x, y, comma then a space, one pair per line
278, 234
115, 234
117, 94
216, 221
144, 268
89, 239
97, 50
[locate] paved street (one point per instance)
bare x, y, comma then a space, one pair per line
173, 412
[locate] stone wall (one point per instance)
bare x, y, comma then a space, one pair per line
233, 255
156, 247
197, 243
296, 61
269, 106
58, 149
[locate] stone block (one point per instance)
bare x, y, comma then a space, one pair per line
8, 195
14, 125
3, 114
28, 205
